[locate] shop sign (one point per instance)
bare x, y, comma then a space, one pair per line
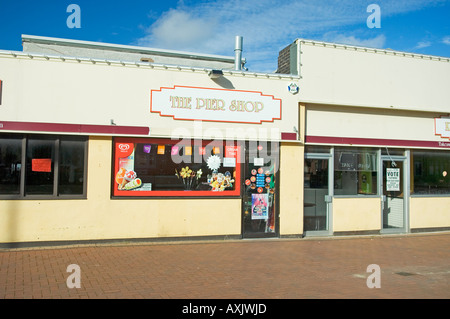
217, 105
392, 179
442, 127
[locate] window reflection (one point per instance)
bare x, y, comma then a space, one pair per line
71, 167
10, 165
44, 155
431, 172
40, 166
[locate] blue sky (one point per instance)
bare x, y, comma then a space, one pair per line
420, 26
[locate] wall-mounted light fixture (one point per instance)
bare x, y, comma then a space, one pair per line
214, 74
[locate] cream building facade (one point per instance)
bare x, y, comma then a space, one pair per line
71, 127
377, 125
98, 148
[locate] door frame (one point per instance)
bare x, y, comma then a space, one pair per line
405, 159
329, 203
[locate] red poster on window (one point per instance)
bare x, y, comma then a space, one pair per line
231, 151
41, 165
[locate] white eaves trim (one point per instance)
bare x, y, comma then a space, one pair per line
372, 50
30, 55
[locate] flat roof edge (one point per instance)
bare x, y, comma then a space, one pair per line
63, 58
120, 47
371, 49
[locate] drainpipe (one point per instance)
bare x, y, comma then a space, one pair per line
238, 53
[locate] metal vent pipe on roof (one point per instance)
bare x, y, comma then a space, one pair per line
238, 53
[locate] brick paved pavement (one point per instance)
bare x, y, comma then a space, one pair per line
246, 269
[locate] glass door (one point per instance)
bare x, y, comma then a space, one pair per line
394, 195
317, 195
260, 195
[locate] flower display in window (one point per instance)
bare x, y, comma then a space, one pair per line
189, 177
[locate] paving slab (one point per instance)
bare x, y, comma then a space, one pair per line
412, 266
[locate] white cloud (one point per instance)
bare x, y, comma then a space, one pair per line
422, 44
446, 40
392, 7
266, 25
375, 42
179, 29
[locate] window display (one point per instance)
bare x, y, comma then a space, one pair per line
163, 167
355, 172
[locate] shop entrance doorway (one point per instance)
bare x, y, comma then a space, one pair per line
395, 194
260, 214
317, 194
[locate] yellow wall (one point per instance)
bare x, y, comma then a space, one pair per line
429, 212
356, 214
99, 217
291, 189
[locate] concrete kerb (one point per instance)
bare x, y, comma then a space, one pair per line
168, 241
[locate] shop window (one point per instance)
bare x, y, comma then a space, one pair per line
40, 161
431, 171
10, 164
163, 167
71, 167
53, 166
355, 172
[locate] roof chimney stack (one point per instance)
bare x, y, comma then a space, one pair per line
238, 53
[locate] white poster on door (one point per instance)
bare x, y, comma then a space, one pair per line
392, 179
